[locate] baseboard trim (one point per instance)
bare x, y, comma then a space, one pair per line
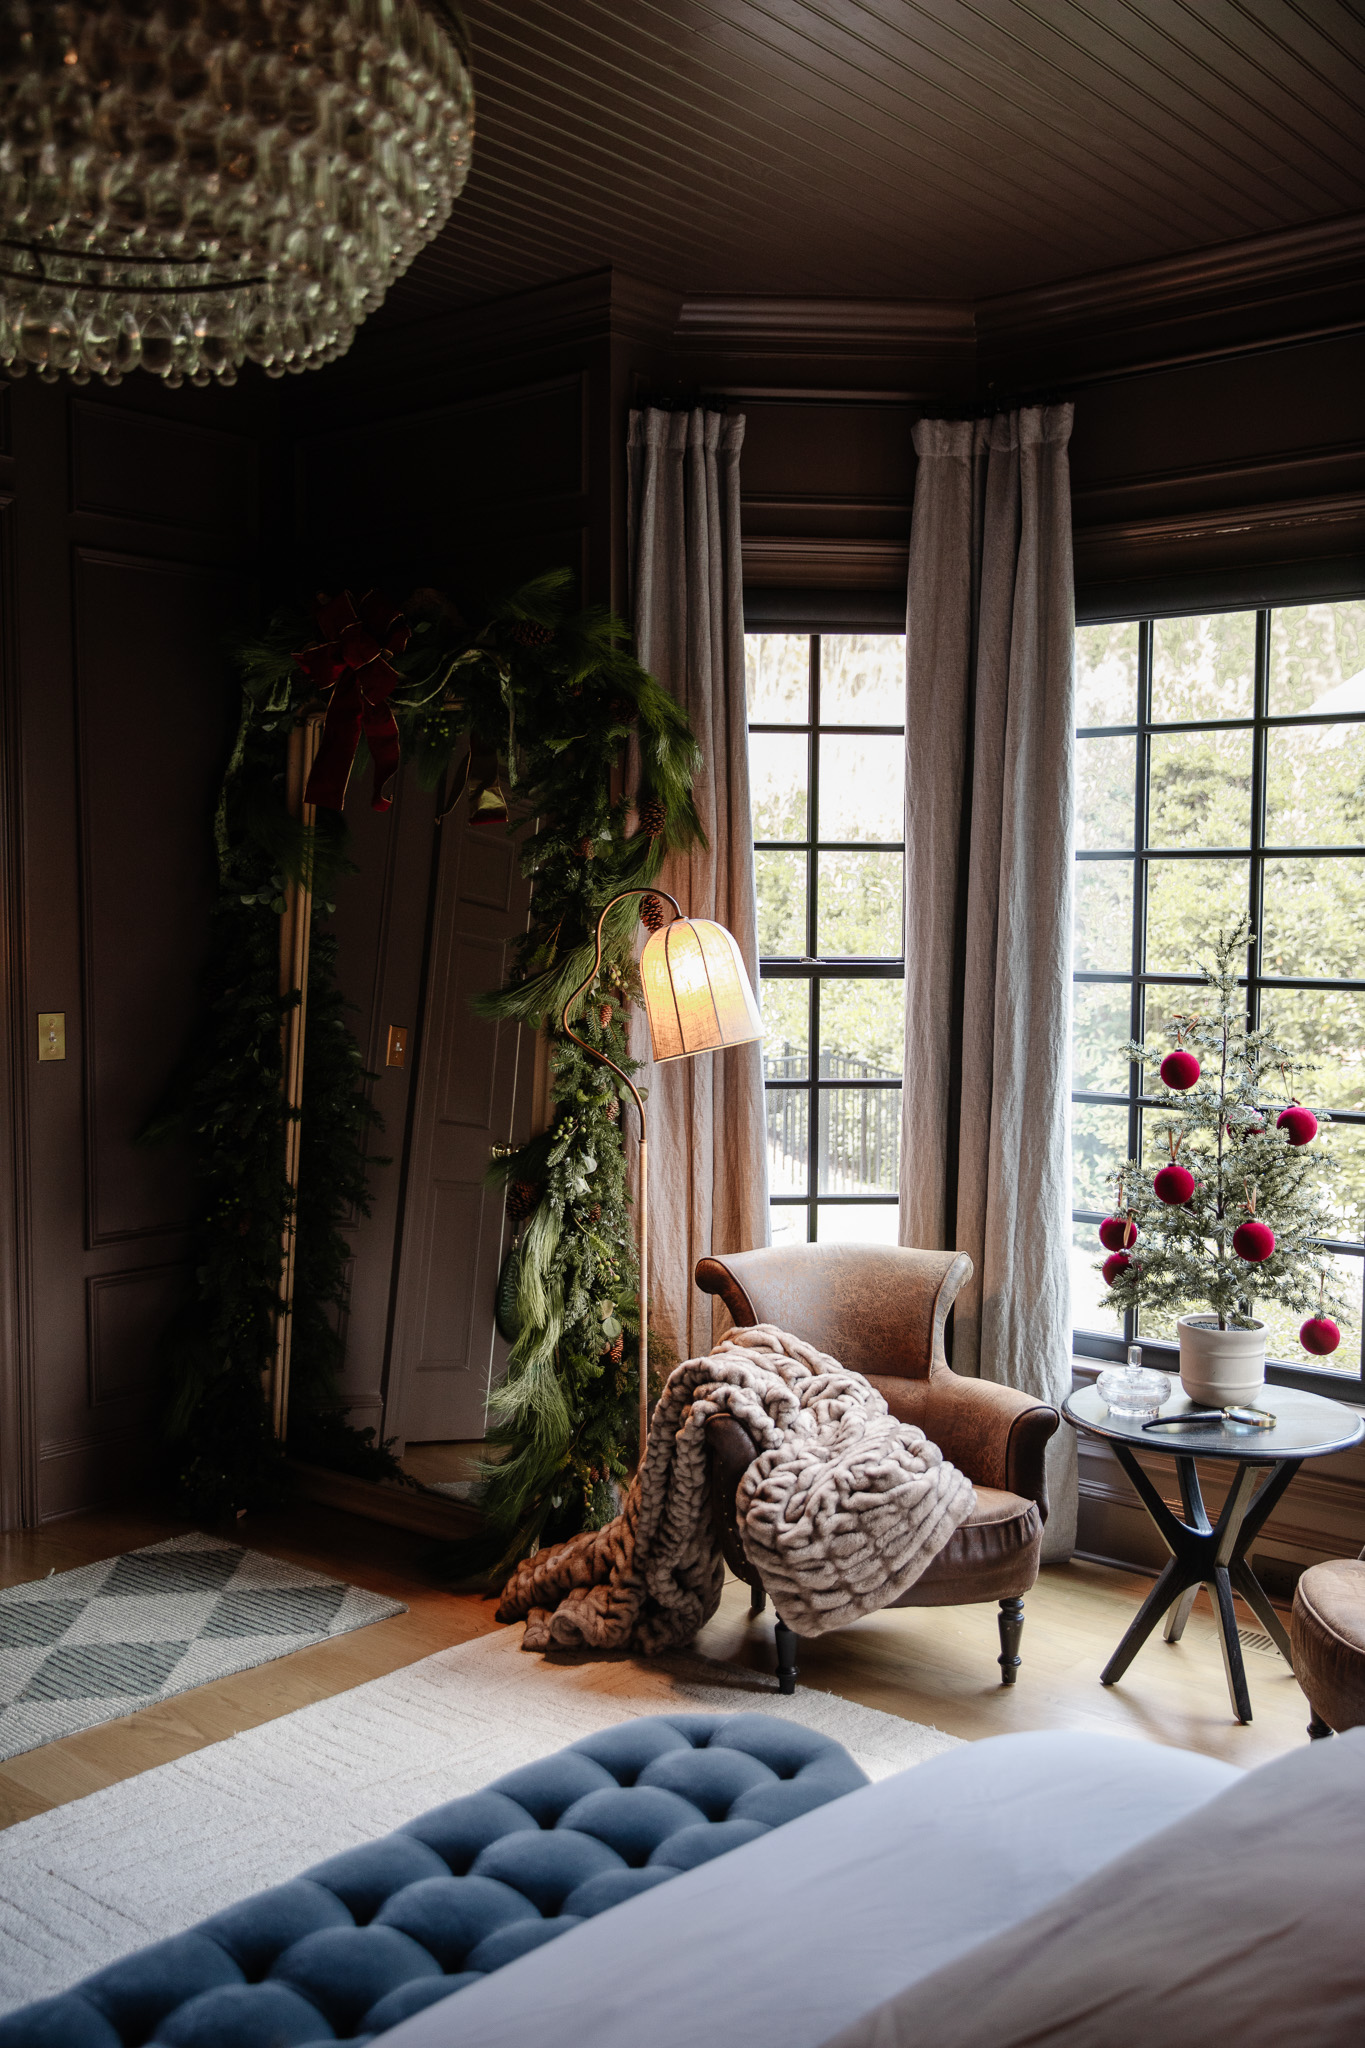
402, 1507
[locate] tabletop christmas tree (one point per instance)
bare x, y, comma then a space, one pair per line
1231, 1216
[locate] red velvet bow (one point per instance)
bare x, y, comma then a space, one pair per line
352, 660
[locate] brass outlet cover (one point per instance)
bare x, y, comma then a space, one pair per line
397, 1054
52, 1034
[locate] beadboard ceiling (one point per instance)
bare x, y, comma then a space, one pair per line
923, 149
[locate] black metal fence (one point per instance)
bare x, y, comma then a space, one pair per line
858, 1128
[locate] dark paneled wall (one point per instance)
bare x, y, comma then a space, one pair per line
130, 535
1208, 461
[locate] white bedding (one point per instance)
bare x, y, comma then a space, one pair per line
781, 1943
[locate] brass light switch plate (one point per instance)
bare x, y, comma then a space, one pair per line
397, 1054
52, 1034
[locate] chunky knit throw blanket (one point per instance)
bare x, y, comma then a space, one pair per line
841, 1510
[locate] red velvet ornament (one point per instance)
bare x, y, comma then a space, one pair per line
1253, 1241
1299, 1125
1174, 1184
1319, 1335
1117, 1233
1116, 1263
1180, 1069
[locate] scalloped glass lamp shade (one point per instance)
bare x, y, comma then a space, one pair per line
696, 991
186, 185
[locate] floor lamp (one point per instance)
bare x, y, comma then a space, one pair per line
698, 999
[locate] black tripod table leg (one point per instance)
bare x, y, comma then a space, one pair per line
1221, 1589
1245, 1582
1180, 1614
1169, 1588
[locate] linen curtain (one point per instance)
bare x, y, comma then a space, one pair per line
989, 768
708, 1187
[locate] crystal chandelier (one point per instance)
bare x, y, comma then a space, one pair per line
191, 184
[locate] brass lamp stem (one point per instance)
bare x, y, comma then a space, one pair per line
593, 1053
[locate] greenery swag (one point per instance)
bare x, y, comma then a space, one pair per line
548, 698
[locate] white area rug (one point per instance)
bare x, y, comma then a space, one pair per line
86, 1646
91, 1881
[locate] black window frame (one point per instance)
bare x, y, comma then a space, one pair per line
1093, 1347
810, 967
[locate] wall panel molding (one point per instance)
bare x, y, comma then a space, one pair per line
791, 562
17, 1430
117, 1322
139, 923
78, 1473
130, 465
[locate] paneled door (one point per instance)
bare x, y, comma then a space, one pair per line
473, 1092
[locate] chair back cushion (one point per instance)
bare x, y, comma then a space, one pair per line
878, 1309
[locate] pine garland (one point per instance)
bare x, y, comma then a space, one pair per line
1224, 1132
551, 696
221, 1454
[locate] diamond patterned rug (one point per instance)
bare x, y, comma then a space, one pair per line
82, 1647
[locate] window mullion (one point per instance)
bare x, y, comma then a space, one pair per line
813, 1109
813, 804
1259, 746
812, 945
1137, 1008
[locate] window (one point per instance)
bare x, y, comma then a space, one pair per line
1220, 768
826, 763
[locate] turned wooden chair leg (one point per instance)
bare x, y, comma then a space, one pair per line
1318, 1728
1011, 1629
758, 1600
786, 1657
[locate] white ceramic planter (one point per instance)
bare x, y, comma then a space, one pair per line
1220, 1368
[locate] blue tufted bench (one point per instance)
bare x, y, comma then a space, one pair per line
369, 1937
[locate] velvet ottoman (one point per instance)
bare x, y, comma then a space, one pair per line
362, 1941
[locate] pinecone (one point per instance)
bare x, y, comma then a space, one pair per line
613, 1111
653, 817
616, 1350
523, 1198
588, 848
653, 916
605, 1015
526, 633
595, 1213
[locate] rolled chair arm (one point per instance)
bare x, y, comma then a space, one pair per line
994, 1434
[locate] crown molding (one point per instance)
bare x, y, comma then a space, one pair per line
1345, 509
1299, 284
826, 326
1295, 261
1268, 291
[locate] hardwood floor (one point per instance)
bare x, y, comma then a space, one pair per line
933, 1664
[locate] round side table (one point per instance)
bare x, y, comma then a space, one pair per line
1204, 1553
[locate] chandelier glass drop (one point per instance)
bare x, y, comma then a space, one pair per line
187, 185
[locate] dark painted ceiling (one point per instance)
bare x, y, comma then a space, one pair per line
890, 148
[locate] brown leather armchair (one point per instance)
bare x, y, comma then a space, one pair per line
881, 1311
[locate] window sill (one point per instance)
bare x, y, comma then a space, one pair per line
1090, 1355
